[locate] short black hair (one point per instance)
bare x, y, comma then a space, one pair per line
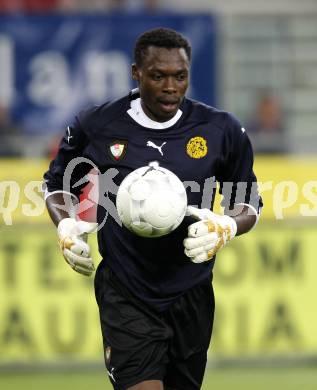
159, 37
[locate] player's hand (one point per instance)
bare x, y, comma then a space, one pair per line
206, 237
72, 237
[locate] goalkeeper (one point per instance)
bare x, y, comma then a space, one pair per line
155, 295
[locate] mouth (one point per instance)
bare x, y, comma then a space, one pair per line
169, 105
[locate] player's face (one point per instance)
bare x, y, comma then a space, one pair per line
163, 80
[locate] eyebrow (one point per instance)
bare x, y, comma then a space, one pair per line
178, 71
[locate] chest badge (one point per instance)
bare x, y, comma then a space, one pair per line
117, 150
197, 147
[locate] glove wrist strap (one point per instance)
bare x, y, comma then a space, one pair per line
231, 222
65, 227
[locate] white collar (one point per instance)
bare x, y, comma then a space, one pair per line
136, 112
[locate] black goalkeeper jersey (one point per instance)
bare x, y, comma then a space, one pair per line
205, 145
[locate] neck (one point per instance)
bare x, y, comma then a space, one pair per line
151, 115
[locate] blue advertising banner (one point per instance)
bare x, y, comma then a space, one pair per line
53, 65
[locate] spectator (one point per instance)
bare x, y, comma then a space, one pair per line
10, 145
85, 6
150, 6
267, 128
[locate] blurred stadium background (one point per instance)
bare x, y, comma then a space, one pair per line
256, 59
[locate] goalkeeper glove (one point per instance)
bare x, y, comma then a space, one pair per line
72, 237
207, 236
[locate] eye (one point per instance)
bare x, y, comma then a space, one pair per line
157, 77
181, 77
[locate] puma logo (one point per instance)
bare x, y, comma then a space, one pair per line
152, 145
111, 374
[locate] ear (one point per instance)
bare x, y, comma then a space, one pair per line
135, 72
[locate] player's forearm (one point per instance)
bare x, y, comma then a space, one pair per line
60, 206
244, 217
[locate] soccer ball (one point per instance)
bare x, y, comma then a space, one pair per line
151, 201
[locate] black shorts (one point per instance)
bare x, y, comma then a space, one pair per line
141, 344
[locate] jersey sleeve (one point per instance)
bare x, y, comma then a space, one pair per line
67, 171
238, 183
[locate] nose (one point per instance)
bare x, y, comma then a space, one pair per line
169, 85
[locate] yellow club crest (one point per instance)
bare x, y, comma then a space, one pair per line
197, 147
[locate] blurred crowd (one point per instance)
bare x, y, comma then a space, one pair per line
266, 127
78, 5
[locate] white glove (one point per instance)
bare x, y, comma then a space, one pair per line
207, 236
72, 237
